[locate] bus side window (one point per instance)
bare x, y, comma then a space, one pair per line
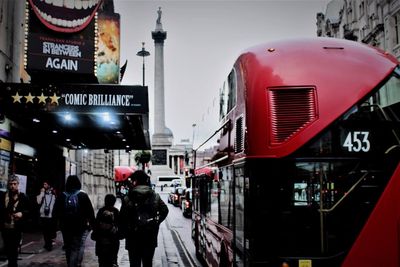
196, 191
214, 201
204, 195
226, 197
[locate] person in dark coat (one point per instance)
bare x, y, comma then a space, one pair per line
140, 237
75, 226
14, 208
106, 233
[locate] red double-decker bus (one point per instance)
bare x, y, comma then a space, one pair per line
307, 171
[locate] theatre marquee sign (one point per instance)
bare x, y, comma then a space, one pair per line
86, 98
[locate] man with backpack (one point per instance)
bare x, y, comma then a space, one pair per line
75, 215
141, 213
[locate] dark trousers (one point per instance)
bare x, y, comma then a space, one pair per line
106, 261
12, 240
49, 231
140, 255
107, 252
74, 243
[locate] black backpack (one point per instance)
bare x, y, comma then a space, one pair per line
144, 214
106, 222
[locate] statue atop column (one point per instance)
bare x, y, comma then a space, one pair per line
158, 22
162, 137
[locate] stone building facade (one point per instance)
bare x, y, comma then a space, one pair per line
374, 22
96, 170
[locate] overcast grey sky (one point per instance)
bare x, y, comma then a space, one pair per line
203, 40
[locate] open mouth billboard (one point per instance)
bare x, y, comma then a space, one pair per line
65, 15
72, 37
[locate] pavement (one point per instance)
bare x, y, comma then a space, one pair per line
34, 255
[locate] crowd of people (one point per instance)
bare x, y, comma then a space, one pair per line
73, 214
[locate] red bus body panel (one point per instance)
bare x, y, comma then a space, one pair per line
332, 66
379, 241
216, 239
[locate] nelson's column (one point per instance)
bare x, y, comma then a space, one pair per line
162, 137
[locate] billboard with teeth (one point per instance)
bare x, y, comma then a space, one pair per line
63, 36
65, 15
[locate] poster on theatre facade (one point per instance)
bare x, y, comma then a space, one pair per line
60, 38
108, 48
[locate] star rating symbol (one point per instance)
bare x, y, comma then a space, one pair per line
17, 98
54, 99
42, 98
29, 98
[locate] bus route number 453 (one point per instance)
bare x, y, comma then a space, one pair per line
357, 141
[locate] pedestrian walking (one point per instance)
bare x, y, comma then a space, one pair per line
123, 191
46, 200
14, 208
141, 213
106, 233
74, 212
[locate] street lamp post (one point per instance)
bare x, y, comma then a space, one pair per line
194, 127
143, 53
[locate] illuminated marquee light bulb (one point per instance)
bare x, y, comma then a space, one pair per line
106, 117
68, 117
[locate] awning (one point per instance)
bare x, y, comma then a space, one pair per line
122, 173
78, 116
